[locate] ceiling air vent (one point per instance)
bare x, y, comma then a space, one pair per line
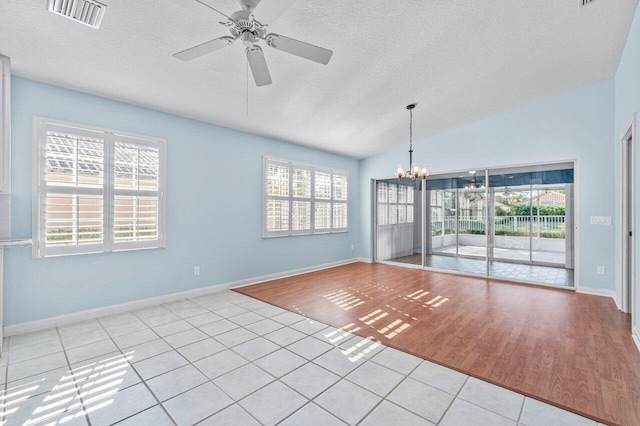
88, 12
586, 2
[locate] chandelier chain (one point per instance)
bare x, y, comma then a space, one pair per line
410, 129
415, 171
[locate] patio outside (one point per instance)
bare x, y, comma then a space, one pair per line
528, 225
512, 240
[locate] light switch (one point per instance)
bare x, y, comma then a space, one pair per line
600, 220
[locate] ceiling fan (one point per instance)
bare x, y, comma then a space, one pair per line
250, 26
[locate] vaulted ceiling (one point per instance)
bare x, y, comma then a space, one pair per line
460, 60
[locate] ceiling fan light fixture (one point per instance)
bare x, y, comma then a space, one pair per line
87, 12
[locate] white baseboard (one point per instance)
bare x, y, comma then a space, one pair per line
45, 323
600, 292
290, 273
617, 301
365, 259
636, 337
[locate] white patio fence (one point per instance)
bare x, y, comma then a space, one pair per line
547, 226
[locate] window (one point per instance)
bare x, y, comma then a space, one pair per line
96, 190
302, 199
395, 203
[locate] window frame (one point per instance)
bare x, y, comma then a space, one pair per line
313, 169
108, 191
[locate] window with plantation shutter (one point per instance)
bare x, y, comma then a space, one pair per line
395, 203
302, 199
96, 190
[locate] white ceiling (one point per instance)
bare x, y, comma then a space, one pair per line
460, 60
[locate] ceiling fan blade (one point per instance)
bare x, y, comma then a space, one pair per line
299, 48
268, 11
204, 48
258, 66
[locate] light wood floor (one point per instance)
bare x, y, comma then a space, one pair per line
572, 350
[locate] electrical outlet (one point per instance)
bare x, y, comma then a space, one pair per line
600, 270
352, 247
196, 271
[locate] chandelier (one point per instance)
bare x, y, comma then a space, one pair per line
414, 171
474, 185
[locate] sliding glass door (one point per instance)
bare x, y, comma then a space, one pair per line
549, 220
512, 223
472, 223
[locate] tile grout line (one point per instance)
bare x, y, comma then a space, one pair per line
524, 400
75, 382
249, 362
406, 376
277, 379
209, 380
453, 400
490, 410
118, 349
162, 407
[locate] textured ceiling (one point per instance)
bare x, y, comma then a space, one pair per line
460, 60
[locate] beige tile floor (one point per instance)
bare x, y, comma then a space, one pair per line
227, 359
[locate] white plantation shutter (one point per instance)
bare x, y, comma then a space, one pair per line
71, 177
278, 180
136, 192
73, 219
278, 204
303, 199
340, 219
340, 191
95, 191
323, 216
278, 215
323, 185
395, 203
410, 196
383, 208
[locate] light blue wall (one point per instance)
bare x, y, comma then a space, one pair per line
573, 126
214, 215
627, 102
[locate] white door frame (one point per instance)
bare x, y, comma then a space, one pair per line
627, 147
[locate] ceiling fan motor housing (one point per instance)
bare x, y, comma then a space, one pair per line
240, 23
